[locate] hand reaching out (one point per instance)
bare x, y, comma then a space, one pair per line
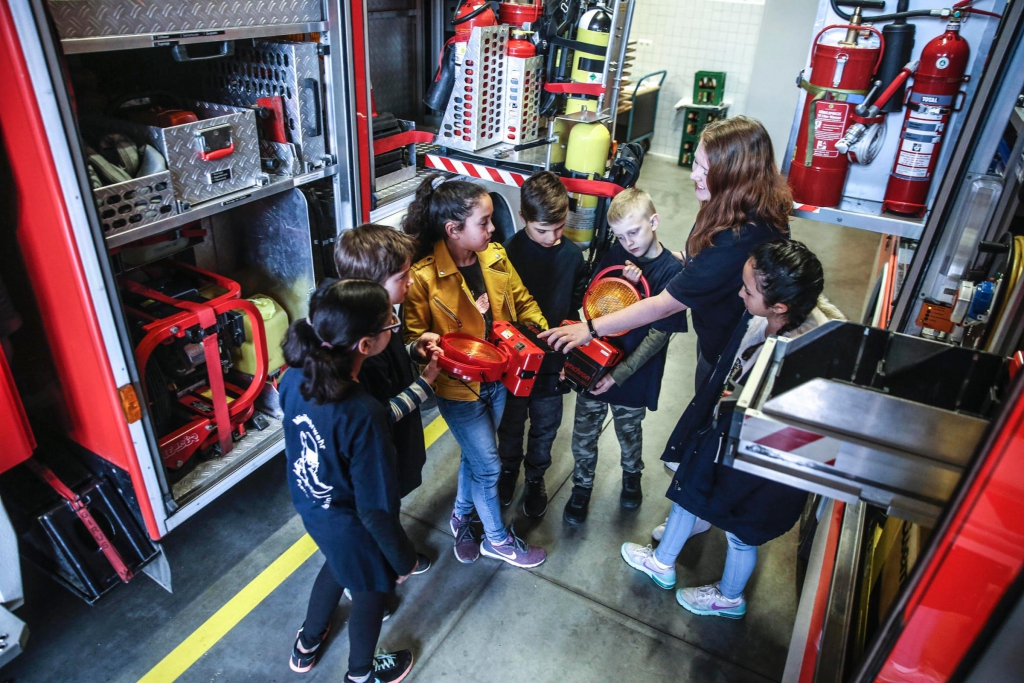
603, 385
431, 371
427, 344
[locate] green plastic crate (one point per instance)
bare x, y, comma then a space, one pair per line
709, 87
695, 118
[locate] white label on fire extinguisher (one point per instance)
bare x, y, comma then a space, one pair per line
920, 137
829, 126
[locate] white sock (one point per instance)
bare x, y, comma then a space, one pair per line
659, 564
361, 679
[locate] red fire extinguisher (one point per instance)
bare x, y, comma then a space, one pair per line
818, 171
931, 102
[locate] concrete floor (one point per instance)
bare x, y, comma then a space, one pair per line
582, 616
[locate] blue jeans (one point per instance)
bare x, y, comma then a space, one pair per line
739, 560
474, 425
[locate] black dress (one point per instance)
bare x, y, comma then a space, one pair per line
756, 510
384, 376
341, 474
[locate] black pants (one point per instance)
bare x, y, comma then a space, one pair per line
545, 415
363, 623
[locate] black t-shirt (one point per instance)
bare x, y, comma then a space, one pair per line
710, 283
474, 277
555, 276
384, 376
643, 387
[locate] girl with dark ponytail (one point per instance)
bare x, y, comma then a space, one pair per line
781, 291
342, 473
462, 283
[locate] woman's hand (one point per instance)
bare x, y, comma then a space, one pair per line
632, 272
427, 344
603, 385
431, 371
567, 337
401, 579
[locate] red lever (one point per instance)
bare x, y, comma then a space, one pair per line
218, 153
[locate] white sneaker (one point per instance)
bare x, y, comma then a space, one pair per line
641, 558
699, 527
709, 601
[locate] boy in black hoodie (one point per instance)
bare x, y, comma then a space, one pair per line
554, 271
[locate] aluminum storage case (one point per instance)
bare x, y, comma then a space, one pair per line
101, 18
215, 156
134, 203
288, 70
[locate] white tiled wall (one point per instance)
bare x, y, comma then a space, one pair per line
687, 36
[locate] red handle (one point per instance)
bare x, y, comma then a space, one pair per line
593, 188
643, 280
393, 142
218, 153
596, 89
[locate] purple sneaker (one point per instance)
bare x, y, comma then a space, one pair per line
515, 551
466, 548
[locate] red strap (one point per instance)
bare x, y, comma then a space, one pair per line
208, 319
594, 188
867, 120
393, 142
596, 89
83, 514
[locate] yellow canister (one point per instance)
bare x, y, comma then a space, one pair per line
587, 152
275, 325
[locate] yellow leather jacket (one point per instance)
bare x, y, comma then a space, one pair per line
439, 301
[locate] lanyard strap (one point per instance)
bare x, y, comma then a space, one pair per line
83, 514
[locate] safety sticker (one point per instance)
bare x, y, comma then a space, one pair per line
829, 126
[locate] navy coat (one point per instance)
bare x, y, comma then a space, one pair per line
756, 510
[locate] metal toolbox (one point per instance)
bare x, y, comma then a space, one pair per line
859, 413
282, 69
214, 156
100, 18
135, 202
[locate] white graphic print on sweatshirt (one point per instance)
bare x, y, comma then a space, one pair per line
308, 463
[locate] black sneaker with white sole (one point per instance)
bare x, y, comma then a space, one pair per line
388, 667
301, 662
422, 564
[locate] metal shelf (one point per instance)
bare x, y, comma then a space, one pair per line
224, 203
136, 41
863, 215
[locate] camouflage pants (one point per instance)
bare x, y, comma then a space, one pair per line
590, 414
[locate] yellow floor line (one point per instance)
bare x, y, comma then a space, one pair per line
227, 617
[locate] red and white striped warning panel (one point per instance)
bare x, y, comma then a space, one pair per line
768, 433
472, 170
806, 208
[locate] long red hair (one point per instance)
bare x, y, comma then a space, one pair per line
743, 180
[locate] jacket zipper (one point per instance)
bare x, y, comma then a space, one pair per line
448, 311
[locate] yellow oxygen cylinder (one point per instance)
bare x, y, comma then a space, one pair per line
587, 152
594, 28
275, 325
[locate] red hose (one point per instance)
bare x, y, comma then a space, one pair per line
900, 79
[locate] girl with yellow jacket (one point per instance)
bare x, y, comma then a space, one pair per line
463, 283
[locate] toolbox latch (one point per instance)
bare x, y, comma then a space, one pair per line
216, 142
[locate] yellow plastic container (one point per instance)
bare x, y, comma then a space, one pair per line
275, 324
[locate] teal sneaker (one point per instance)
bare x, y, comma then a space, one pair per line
641, 558
708, 601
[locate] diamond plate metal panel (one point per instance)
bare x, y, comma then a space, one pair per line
473, 118
396, 63
278, 69
522, 99
284, 153
135, 203
251, 445
98, 18
194, 179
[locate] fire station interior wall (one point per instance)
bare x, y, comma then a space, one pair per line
686, 36
786, 28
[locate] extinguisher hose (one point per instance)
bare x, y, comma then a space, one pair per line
889, 17
900, 79
493, 5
